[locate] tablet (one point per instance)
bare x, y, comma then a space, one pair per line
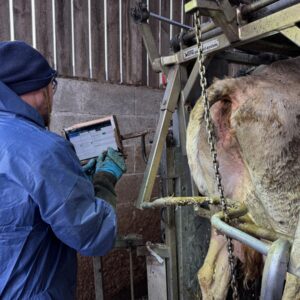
91, 138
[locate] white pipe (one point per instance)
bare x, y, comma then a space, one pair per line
147, 65
120, 41
159, 42
105, 40
182, 10
54, 35
90, 40
33, 23
11, 20
171, 17
73, 37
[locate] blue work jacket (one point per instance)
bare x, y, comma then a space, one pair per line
48, 209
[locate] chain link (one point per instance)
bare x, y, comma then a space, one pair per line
212, 144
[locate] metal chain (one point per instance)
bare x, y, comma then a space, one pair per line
212, 144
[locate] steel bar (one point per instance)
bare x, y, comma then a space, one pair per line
239, 235
131, 274
73, 39
33, 17
105, 40
275, 269
135, 135
205, 28
192, 5
181, 201
192, 80
11, 20
272, 8
121, 40
208, 30
212, 33
54, 35
150, 46
270, 24
90, 40
169, 21
246, 9
293, 34
243, 58
169, 103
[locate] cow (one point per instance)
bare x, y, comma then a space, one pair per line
256, 120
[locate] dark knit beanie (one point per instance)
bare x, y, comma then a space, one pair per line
22, 68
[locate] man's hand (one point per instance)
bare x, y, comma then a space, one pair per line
111, 161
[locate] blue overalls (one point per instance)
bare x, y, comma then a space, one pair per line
48, 209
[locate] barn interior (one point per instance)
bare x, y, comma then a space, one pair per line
148, 63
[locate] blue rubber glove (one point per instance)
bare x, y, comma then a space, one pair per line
89, 169
111, 161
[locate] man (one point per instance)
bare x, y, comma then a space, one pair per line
48, 208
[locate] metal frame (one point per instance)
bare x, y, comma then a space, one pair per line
283, 21
280, 22
222, 34
276, 264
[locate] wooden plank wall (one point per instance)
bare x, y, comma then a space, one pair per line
103, 44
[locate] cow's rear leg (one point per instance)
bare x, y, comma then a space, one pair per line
214, 275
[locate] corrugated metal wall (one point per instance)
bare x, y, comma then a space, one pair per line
94, 39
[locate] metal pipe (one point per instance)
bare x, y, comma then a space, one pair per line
275, 269
246, 9
105, 40
208, 30
33, 23
90, 39
181, 201
54, 35
212, 33
73, 37
131, 274
171, 18
271, 8
121, 40
147, 59
218, 223
135, 134
172, 22
205, 27
11, 20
